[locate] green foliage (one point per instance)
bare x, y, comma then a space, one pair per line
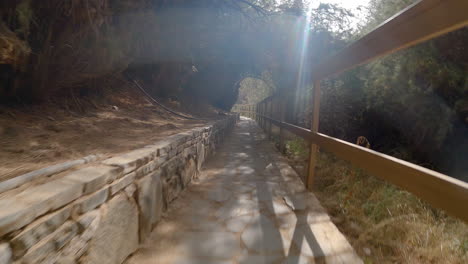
381, 10
411, 103
25, 17
298, 148
254, 90
464, 246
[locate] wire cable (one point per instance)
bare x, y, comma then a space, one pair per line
160, 104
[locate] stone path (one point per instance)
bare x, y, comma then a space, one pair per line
248, 206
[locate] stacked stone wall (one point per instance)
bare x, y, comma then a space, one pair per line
100, 213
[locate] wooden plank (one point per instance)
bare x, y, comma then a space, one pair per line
437, 189
282, 109
315, 125
421, 21
255, 109
270, 114
263, 115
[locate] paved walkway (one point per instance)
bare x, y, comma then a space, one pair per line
248, 206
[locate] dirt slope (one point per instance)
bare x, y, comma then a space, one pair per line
33, 137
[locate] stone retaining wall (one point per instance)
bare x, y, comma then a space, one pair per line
99, 214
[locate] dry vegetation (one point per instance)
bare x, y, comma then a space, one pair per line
386, 224
33, 137
383, 223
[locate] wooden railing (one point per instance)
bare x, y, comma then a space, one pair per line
421, 21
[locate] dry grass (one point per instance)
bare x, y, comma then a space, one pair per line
40, 135
384, 223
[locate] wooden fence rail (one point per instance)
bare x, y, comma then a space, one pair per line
421, 21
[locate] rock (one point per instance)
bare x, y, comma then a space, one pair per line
151, 166
198, 222
180, 138
234, 208
22, 209
247, 258
219, 195
41, 173
38, 230
150, 203
78, 245
269, 167
85, 220
159, 197
241, 188
367, 251
200, 155
65, 260
51, 243
262, 236
221, 245
95, 177
295, 187
92, 201
302, 201
130, 190
191, 260
5, 254
287, 221
288, 173
265, 192
297, 259
278, 207
162, 147
171, 177
91, 158
132, 160
122, 183
117, 234
323, 239
189, 151
237, 224
14, 214
66, 232
189, 171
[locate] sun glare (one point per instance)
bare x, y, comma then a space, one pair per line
351, 4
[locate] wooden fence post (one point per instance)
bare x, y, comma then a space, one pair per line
257, 113
315, 125
270, 115
282, 108
261, 115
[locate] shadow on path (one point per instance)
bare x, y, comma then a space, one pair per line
248, 206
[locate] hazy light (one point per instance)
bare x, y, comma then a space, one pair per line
301, 79
350, 4
353, 5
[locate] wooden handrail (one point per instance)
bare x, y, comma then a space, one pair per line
420, 22
424, 20
437, 189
